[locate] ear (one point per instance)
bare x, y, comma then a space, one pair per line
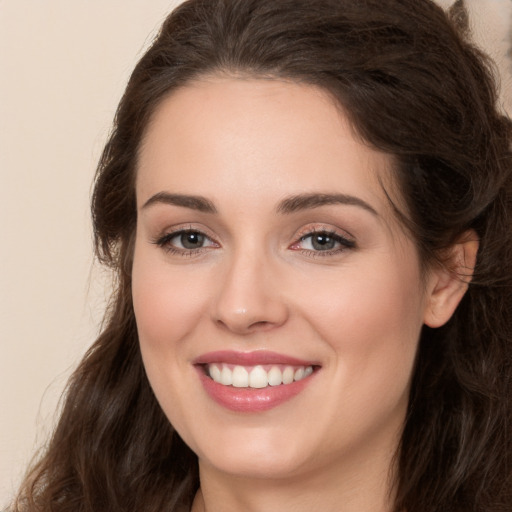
447, 284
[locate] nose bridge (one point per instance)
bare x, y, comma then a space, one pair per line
249, 298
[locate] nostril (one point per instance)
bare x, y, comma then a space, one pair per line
242, 326
260, 325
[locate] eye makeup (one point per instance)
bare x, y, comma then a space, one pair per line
317, 241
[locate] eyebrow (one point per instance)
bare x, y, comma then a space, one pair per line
308, 201
289, 205
193, 202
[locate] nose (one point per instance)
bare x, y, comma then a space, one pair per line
250, 297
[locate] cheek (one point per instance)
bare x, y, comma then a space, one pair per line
371, 319
167, 303
167, 307
359, 301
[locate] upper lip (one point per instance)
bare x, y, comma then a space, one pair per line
253, 358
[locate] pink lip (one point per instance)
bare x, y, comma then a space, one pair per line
251, 358
250, 399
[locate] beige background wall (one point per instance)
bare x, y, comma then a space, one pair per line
63, 66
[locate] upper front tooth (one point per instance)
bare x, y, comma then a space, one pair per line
275, 377
240, 377
299, 374
258, 378
215, 373
288, 375
226, 376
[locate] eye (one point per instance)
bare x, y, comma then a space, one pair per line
188, 240
328, 242
185, 241
320, 242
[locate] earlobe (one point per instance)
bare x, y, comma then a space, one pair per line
448, 284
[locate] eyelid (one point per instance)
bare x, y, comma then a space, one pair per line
310, 229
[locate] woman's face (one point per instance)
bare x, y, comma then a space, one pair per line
266, 251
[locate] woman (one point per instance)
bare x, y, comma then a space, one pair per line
307, 207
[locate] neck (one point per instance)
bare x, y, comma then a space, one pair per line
364, 488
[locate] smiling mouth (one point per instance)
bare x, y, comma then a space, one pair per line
253, 382
257, 377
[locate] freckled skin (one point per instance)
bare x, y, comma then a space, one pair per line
256, 284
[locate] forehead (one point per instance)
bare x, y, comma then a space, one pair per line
270, 137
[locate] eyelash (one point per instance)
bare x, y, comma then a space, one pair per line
343, 243
165, 242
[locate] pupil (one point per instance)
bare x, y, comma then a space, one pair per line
192, 240
323, 242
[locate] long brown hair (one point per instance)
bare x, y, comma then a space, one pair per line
412, 87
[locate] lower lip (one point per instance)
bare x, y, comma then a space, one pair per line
251, 399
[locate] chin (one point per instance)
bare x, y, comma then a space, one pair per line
255, 455
262, 465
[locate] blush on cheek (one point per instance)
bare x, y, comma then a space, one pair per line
159, 320
167, 308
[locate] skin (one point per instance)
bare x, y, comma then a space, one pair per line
256, 284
